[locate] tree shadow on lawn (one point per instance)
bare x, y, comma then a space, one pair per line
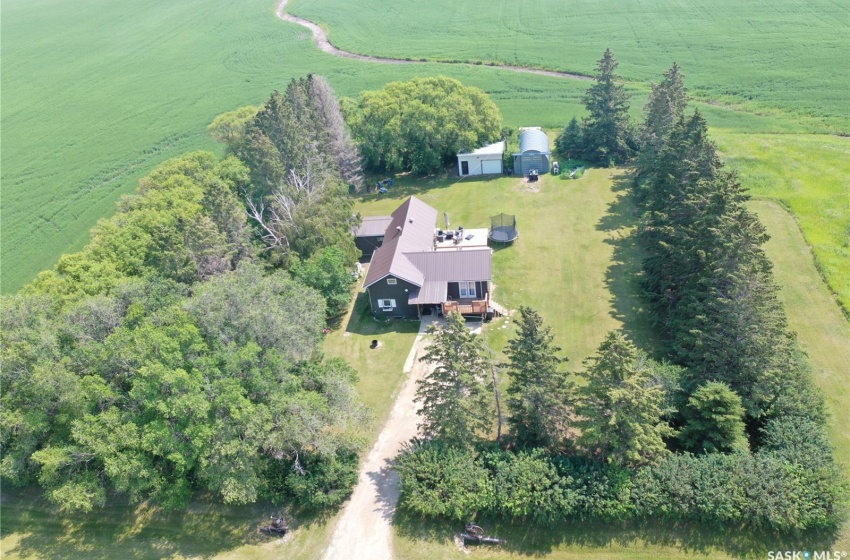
624, 275
124, 530
530, 540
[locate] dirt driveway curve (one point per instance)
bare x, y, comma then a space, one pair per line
364, 531
322, 41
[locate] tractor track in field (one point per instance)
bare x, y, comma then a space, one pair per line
321, 39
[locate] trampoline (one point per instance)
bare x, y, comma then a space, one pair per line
503, 228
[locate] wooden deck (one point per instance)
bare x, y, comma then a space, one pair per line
474, 307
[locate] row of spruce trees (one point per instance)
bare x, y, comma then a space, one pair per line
727, 431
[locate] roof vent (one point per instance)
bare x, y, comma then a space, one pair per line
410, 220
398, 230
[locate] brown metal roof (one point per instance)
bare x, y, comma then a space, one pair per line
431, 292
372, 226
410, 230
453, 266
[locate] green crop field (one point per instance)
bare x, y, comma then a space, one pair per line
783, 54
95, 94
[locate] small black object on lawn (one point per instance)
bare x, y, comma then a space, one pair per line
276, 527
374, 344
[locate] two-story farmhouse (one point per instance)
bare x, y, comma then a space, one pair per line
419, 268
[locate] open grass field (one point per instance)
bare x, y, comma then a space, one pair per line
95, 94
810, 175
782, 54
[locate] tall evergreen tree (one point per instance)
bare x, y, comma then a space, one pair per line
607, 130
714, 421
621, 409
454, 397
298, 199
540, 394
666, 104
571, 140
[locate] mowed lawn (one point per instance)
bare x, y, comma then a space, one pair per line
780, 54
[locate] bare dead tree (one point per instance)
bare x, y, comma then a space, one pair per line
343, 150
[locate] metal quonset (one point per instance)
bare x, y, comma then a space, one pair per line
534, 152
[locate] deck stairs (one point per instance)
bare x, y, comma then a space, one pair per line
499, 310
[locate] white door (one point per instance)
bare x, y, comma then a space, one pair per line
491, 166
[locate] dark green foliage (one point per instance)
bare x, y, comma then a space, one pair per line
570, 141
439, 480
621, 408
714, 421
294, 148
540, 394
738, 491
327, 273
606, 133
422, 124
325, 482
455, 397
666, 105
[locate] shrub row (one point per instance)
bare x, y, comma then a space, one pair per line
765, 491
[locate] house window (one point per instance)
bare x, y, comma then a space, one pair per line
386, 304
467, 289
392, 281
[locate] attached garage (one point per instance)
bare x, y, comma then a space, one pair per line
534, 152
483, 161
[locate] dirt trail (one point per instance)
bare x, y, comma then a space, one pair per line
364, 531
322, 41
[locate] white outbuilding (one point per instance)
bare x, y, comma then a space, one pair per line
483, 161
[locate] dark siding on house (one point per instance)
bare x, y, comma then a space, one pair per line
382, 290
481, 290
367, 245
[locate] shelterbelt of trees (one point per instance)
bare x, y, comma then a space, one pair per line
180, 350
728, 430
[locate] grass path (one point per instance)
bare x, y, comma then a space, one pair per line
823, 331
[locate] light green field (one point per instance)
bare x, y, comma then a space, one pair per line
95, 94
810, 175
781, 54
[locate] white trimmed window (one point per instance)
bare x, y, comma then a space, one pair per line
386, 304
392, 281
467, 289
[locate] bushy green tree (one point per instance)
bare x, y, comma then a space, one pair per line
327, 273
714, 421
541, 395
455, 399
422, 124
665, 106
621, 410
570, 141
229, 128
607, 131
